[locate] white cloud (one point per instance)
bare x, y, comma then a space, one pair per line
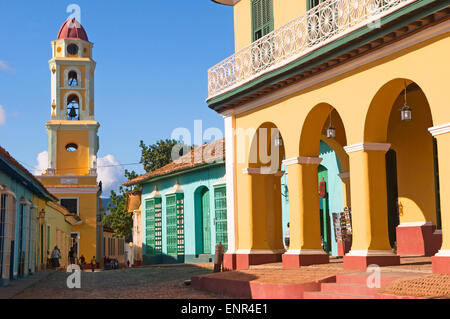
2, 115
4, 66
110, 173
42, 160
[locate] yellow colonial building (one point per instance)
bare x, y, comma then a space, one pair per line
368, 78
73, 139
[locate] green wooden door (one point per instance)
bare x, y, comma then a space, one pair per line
220, 205
325, 229
392, 196
175, 226
206, 221
153, 231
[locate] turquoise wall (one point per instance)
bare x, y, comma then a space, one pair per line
20, 192
191, 183
334, 187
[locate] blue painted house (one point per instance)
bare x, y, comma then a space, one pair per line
183, 206
18, 214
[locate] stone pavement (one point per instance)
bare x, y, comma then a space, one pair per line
15, 287
132, 283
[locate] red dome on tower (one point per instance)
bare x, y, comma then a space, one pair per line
72, 29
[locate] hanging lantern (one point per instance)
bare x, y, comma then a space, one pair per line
331, 131
406, 111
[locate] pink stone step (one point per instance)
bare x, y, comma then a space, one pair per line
360, 278
350, 289
332, 295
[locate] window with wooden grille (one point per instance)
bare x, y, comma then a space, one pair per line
175, 225
220, 220
153, 228
262, 18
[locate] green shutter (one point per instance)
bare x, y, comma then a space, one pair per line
262, 18
206, 222
175, 225
312, 3
153, 228
220, 206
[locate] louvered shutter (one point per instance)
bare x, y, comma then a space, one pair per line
262, 18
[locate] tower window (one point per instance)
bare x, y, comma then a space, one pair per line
71, 204
73, 108
71, 147
73, 78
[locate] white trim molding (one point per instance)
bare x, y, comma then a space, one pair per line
154, 194
415, 224
440, 129
365, 253
306, 252
443, 253
176, 189
73, 190
303, 161
262, 171
260, 251
367, 147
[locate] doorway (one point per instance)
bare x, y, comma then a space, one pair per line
206, 218
325, 228
392, 196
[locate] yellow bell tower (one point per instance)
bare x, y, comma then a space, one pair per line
73, 139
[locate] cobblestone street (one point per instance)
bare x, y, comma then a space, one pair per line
134, 283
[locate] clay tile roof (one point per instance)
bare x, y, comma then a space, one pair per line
212, 153
7, 157
72, 29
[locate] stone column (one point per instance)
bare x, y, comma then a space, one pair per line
305, 244
264, 236
369, 207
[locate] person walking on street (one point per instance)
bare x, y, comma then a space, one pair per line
71, 256
56, 255
93, 263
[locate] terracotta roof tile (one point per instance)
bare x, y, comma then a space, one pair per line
205, 154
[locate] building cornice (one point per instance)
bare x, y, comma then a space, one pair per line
440, 129
382, 147
303, 161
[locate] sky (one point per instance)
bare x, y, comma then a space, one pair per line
151, 76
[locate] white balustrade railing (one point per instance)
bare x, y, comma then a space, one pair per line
322, 24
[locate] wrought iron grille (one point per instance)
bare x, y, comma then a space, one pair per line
322, 24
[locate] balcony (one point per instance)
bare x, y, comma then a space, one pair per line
325, 23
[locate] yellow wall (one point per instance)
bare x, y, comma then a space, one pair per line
88, 229
415, 164
76, 163
60, 231
363, 97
